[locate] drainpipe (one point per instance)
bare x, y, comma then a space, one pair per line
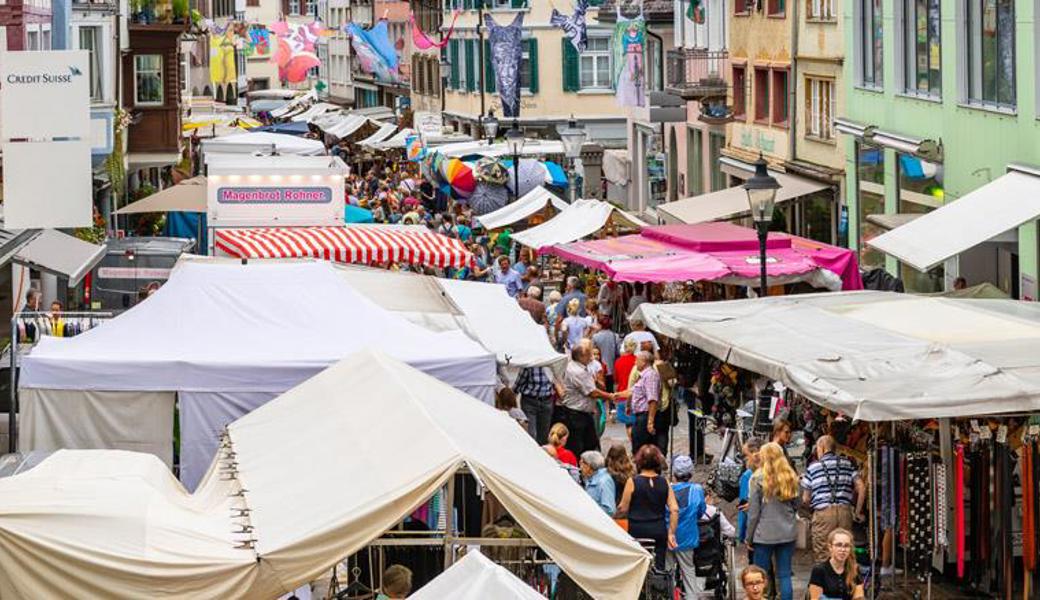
660, 78
792, 93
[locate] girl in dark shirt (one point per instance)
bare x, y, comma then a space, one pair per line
837, 578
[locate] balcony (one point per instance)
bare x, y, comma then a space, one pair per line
696, 73
170, 15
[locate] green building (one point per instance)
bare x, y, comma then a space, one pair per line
942, 134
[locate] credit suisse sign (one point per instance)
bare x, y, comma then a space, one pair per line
272, 195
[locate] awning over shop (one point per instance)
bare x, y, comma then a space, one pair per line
875, 356
892, 221
1000, 205
578, 220
378, 439
187, 196
733, 202
528, 204
364, 244
720, 252
61, 254
475, 577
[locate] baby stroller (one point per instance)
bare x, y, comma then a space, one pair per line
712, 559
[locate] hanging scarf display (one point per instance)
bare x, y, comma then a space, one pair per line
506, 54
958, 508
629, 45
376, 54
573, 27
422, 41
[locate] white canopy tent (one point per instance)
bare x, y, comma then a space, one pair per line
224, 339
344, 125
315, 111
528, 204
732, 202
395, 141
583, 218
875, 356
385, 131
532, 147
475, 577
251, 141
116, 524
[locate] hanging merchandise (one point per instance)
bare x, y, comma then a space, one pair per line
222, 68
573, 26
958, 505
376, 54
421, 41
919, 552
506, 55
629, 44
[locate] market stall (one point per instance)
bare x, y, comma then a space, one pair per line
578, 220
250, 142
259, 526
221, 340
529, 204
720, 252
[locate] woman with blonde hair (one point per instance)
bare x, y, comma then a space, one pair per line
772, 515
558, 435
838, 576
574, 326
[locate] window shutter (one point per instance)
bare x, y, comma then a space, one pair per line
571, 75
285, 7
471, 63
453, 57
489, 69
532, 54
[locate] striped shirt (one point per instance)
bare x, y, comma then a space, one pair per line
646, 390
832, 473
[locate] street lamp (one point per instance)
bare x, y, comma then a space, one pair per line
445, 69
490, 125
515, 143
761, 192
573, 137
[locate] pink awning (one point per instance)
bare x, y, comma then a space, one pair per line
709, 252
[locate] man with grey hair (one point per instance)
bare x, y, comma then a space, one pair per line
577, 407
645, 395
532, 303
598, 482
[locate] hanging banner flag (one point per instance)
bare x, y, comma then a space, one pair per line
376, 55
259, 41
629, 42
573, 26
695, 11
506, 55
413, 148
423, 42
222, 69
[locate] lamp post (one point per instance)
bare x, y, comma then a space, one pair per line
445, 69
761, 191
515, 142
490, 125
573, 137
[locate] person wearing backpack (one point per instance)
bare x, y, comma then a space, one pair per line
690, 498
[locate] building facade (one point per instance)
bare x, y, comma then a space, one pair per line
942, 100
425, 64
25, 24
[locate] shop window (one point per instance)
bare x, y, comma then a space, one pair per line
761, 92
148, 79
991, 52
921, 48
739, 92
870, 200
780, 97
920, 192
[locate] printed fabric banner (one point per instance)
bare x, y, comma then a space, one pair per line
629, 44
573, 26
222, 68
414, 148
423, 42
506, 55
376, 54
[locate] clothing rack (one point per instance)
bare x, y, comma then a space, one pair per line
16, 319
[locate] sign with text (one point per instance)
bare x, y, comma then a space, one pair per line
272, 195
45, 94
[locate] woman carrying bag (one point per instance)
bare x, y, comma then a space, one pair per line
772, 515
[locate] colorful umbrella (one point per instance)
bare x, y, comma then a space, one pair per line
460, 177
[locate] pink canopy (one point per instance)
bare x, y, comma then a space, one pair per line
710, 252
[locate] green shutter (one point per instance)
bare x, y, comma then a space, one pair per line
453, 56
532, 54
571, 76
489, 69
471, 63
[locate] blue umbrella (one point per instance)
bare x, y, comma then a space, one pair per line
557, 176
356, 214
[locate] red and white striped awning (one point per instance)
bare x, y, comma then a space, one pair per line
355, 244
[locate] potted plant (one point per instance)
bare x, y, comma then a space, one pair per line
180, 11
147, 11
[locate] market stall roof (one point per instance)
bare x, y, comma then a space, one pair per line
317, 109
290, 128
384, 132
359, 243
395, 141
532, 147
252, 141
376, 113
233, 327
721, 252
343, 126
578, 220
1001, 205
732, 202
187, 196
528, 204
875, 356
475, 577
892, 221
295, 105
311, 499
61, 254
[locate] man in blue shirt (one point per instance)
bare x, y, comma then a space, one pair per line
508, 277
690, 498
598, 482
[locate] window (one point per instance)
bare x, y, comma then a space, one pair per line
595, 64
775, 7
819, 108
780, 97
716, 142
148, 79
694, 162
529, 66
739, 92
920, 192
32, 40
821, 10
761, 94
312, 8
870, 178
743, 7
922, 68
652, 65
45, 39
991, 52
870, 36
90, 40
294, 7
